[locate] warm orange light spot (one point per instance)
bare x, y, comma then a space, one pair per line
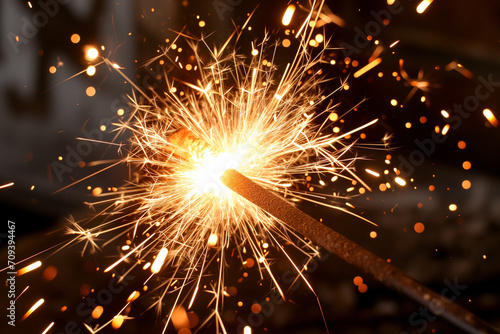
97, 191
423, 119
249, 263
117, 321
232, 291
333, 117
362, 288
419, 227
52, 69
193, 319
453, 207
75, 38
461, 145
432, 188
467, 165
90, 91
49, 273
84, 290
256, 308
179, 318
466, 184
358, 280
97, 312
373, 234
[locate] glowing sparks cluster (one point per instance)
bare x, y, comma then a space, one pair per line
268, 121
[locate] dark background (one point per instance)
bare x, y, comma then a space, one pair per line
41, 115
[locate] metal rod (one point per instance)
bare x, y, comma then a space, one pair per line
354, 254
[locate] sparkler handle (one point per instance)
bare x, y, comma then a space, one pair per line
354, 254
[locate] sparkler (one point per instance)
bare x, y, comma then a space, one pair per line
191, 145
251, 115
190, 204
338, 244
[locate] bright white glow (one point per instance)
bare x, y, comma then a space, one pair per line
160, 259
400, 181
287, 17
423, 6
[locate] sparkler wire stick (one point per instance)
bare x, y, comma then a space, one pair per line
354, 254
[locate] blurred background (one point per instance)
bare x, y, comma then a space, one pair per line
442, 226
